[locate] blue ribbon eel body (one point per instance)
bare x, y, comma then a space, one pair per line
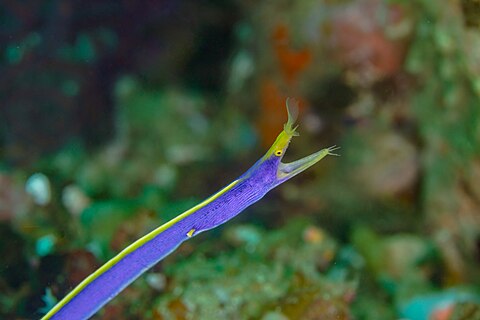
110, 279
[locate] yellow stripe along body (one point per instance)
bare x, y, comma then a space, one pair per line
131, 248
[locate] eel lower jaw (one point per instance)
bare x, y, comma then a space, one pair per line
288, 170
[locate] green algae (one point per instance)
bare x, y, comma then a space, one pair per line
265, 273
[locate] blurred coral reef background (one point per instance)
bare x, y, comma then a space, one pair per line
116, 116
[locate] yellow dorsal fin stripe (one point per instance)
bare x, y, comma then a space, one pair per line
133, 247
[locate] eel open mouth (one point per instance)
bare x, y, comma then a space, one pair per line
289, 170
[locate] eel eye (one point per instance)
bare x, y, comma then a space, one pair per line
278, 153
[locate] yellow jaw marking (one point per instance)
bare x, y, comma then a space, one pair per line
289, 131
190, 233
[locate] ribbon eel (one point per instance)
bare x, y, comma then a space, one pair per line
267, 173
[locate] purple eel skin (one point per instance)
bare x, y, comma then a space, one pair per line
105, 283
